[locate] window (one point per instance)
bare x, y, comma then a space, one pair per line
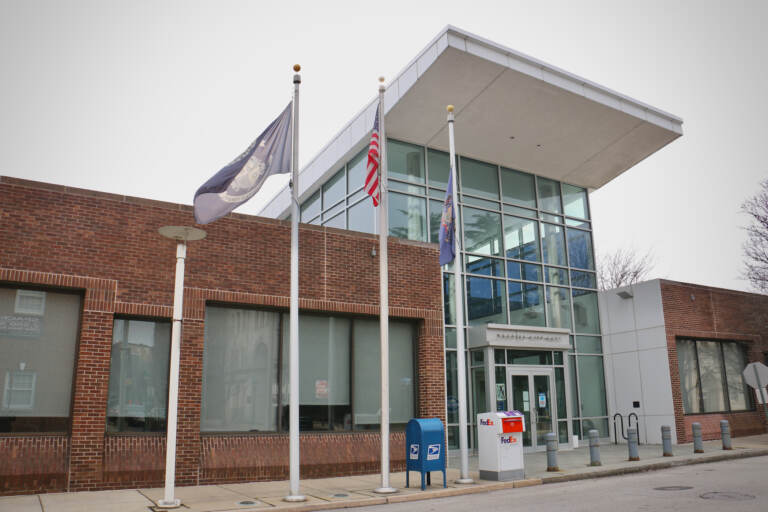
439, 165
138, 376
334, 190
521, 238
246, 372
575, 200
405, 161
710, 376
311, 207
482, 231
580, 249
407, 217
19, 390
38, 335
549, 195
485, 301
29, 302
517, 188
479, 179
240, 370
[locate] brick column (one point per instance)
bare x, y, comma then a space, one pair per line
89, 404
190, 394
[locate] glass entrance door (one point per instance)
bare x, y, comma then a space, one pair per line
530, 392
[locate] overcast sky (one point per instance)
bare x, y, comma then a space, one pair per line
151, 98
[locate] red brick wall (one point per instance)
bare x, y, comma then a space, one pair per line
108, 247
701, 312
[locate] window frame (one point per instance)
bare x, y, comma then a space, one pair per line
724, 377
139, 318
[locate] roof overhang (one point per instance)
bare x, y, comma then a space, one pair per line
511, 110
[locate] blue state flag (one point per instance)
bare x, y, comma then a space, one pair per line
239, 180
448, 226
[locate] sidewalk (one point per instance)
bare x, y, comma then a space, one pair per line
342, 492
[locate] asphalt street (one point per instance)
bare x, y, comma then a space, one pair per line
735, 485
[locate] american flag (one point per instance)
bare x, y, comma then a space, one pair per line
372, 179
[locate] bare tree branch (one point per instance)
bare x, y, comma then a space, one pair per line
756, 246
622, 268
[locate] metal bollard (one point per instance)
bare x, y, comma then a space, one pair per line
725, 434
632, 443
666, 440
551, 452
594, 448
698, 443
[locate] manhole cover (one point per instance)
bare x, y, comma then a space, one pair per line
728, 496
246, 502
673, 488
340, 495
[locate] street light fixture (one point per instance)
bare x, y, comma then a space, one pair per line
182, 235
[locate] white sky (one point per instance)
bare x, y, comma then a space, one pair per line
151, 98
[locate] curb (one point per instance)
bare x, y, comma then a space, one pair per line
625, 470
497, 486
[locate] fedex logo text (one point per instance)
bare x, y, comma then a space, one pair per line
508, 440
487, 423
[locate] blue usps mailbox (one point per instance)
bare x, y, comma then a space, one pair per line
425, 449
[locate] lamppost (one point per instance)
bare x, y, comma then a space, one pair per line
182, 235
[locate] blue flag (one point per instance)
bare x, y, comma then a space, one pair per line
448, 226
239, 180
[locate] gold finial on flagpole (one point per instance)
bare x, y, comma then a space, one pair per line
381, 79
296, 68
449, 108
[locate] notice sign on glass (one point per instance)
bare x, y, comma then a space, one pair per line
19, 325
321, 388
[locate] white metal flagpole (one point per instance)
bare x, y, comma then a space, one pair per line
460, 355
293, 420
383, 298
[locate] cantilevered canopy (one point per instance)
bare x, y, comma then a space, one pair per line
510, 109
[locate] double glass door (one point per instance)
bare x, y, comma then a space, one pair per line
530, 392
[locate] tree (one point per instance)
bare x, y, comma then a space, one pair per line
756, 246
623, 268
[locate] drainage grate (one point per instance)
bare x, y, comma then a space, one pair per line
727, 496
341, 495
246, 502
673, 488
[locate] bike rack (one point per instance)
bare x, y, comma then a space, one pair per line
629, 425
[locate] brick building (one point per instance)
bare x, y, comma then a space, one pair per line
674, 355
83, 404
83, 265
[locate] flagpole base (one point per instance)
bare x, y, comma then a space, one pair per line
464, 481
169, 504
295, 498
385, 490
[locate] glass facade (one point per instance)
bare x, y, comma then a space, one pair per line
526, 253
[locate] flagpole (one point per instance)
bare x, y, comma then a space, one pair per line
460, 355
383, 298
293, 421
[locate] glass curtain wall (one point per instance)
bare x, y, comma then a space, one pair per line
527, 256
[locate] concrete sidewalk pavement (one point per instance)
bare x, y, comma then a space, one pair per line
355, 491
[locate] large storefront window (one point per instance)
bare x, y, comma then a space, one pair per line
710, 376
38, 336
138, 376
240, 370
339, 378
